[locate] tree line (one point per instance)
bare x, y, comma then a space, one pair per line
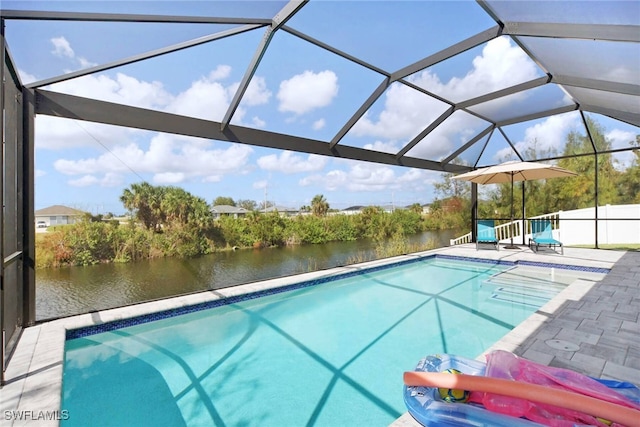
170, 222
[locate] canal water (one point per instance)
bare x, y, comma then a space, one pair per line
74, 290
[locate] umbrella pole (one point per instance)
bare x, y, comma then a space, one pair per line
511, 245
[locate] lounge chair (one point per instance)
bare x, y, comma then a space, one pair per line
486, 233
541, 234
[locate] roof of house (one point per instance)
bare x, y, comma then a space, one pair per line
383, 207
228, 209
280, 209
58, 210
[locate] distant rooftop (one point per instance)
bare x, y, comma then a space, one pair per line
59, 210
227, 209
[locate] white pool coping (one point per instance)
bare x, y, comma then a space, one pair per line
33, 385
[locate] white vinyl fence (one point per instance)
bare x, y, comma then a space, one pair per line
580, 232
617, 224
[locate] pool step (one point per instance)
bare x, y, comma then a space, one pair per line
516, 296
502, 298
548, 290
518, 286
525, 280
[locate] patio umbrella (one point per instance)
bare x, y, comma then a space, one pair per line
514, 171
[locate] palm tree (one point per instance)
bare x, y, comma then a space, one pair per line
199, 212
144, 201
175, 205
319, 205
135, 200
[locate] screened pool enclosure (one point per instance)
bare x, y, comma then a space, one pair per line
437, 86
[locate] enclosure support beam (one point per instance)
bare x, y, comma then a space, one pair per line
79, 108
2, 124
27, 186
595, 177
474, 211
523, 230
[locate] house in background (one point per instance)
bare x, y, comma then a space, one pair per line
352, 210
58, 215
283, 210
228, 210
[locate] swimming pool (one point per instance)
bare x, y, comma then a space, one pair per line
331, 354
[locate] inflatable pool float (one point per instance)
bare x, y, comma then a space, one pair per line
518, 392
427, 406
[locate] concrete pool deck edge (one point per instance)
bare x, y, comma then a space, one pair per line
32, 393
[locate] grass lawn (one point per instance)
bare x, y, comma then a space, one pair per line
613, 246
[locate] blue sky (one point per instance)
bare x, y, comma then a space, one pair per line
298, 89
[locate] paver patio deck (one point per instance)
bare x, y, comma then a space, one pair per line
600, 318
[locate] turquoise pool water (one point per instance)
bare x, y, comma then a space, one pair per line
326, 355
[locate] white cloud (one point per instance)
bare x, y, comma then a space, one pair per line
411, 176
85, 63
112, 180
40, 172
206, 99
259, 185
407, 112
220, 73
318, 124
257, 92
620, 138
26, 77
369, 177
500, 65
551, 132
108, 180
289, 162
548, 134
212, 178
209, 99
384, 147
170, 159
123, 89
307, 91
84, 181
458, 129
105, 162
57, 133
61, 47
169, 178
258, 122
